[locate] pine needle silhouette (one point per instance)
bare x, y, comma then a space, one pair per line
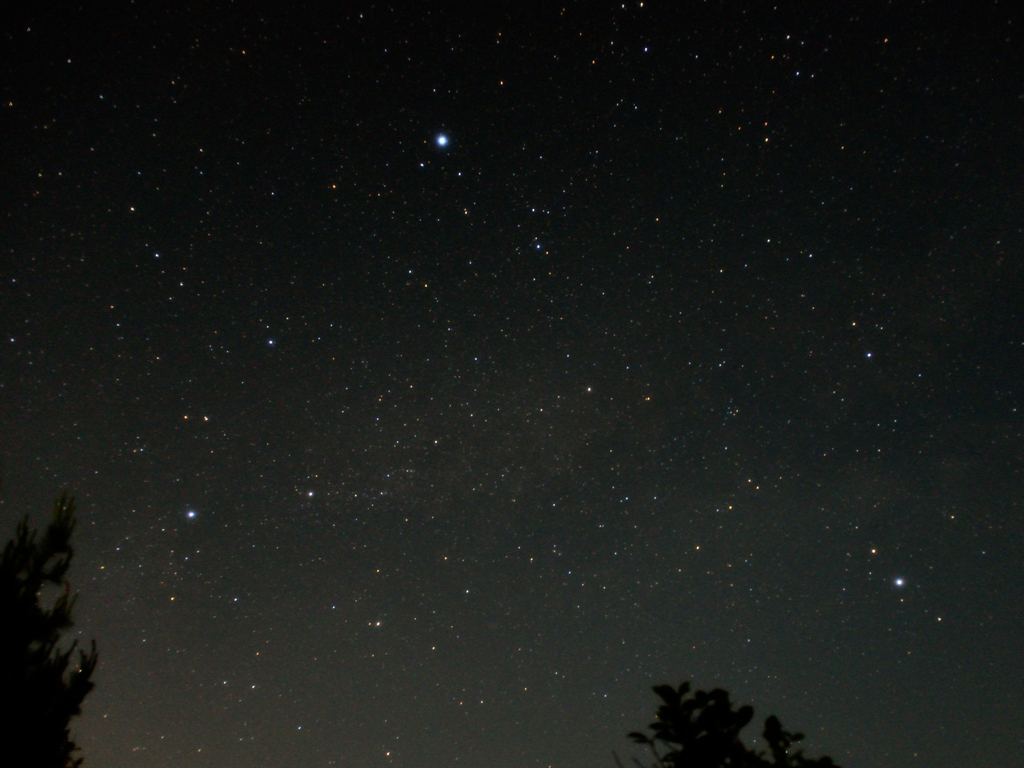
40, 688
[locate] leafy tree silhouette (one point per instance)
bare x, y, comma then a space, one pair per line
703, 731
40, 689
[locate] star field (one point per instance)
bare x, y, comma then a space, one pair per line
433, 383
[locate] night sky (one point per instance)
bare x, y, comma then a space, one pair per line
434, 381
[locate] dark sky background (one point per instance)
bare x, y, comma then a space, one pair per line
694, 353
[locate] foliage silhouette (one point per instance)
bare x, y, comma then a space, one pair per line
703, 731
40, 689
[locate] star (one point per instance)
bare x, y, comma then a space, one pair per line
442, 140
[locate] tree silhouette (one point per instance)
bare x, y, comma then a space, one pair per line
703, 731
40, 689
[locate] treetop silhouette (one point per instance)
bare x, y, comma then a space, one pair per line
703, 731
40, 689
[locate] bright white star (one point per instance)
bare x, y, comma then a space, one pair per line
442, 140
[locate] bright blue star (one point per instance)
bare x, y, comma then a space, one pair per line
191, 514
442, 140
